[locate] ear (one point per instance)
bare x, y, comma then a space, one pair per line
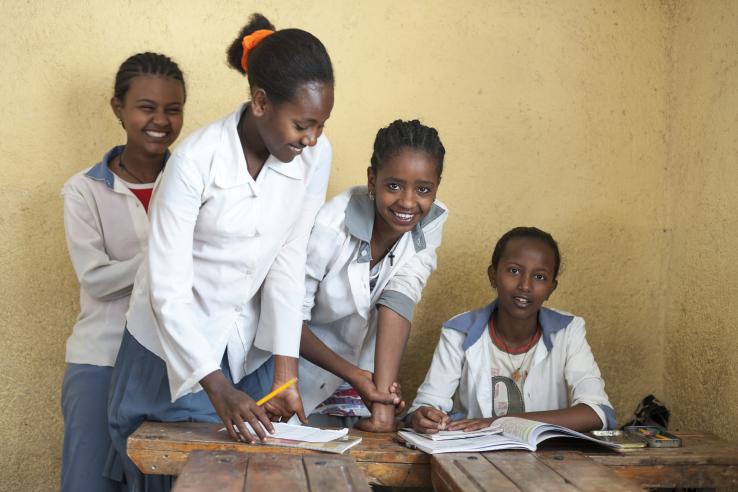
259, 102
117, 106
371, 179
492, 274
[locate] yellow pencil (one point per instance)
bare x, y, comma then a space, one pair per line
276, 391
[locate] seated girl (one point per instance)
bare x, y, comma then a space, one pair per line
370, 254
514, 357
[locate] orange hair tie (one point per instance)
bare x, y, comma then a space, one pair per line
249, 43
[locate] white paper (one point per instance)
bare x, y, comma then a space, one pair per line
305, 433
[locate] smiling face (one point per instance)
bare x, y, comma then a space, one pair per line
405, 187
523, 277
288, 127
151, 113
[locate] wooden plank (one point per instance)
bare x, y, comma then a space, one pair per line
275, 472
205, 470
528, 472
584, 473
334, 474
396, 474
467, 472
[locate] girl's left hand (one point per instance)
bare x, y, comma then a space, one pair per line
468, 425
285, 405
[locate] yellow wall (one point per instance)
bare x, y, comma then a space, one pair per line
701, 329
610, 124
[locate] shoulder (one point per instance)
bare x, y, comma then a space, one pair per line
203, 142
97, 177
556, 322
333, 213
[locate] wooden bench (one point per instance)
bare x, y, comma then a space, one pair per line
231, 471
703, 461
520, 470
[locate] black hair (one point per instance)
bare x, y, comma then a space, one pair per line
527, 232
281, 62
412, 134
145, 64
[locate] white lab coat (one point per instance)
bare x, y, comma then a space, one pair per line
106, 229
563, 373
226, 258
339, 307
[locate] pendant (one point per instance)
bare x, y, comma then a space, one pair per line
515, 375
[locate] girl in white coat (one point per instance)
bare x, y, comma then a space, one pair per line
514, 357
107, 228
220, 288
370, 254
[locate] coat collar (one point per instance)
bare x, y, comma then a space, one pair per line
473, 324
360, 221
101, 171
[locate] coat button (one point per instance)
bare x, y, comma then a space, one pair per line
238, 309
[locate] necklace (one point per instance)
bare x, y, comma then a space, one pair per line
124, 168
525, 348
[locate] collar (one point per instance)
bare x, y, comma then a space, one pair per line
232, 169
101, 171
473, 324
360, 221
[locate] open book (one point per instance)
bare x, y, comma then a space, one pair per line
305, 437
504, 433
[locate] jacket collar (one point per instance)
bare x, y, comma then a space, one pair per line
101, 171
473, 324
360, 220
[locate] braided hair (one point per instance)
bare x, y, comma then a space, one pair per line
281, 62
411, 134
145, 64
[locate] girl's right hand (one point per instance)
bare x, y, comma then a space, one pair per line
234, 407
363, 382
428, 420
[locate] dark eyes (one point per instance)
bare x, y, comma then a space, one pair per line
422, 190
516, 271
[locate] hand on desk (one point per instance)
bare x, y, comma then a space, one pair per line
468, 425
234, 407
428, 420
382, 419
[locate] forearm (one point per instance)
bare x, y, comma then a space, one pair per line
285, 368
580, 417
393, 332
315, 351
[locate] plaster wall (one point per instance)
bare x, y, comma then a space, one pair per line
554, 114
701, 327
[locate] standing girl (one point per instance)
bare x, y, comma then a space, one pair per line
515, 357
219, 290
370, 254
107, 228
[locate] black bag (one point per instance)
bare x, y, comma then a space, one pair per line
650, 411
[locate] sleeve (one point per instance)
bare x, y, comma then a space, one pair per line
283, 290
321, 250
404, 289
174, 212
444, 374
583, 375
100, 276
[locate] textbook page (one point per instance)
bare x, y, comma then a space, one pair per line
303, 433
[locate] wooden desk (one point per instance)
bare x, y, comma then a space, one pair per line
520, 470
162, 449
704, 461
230, 471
